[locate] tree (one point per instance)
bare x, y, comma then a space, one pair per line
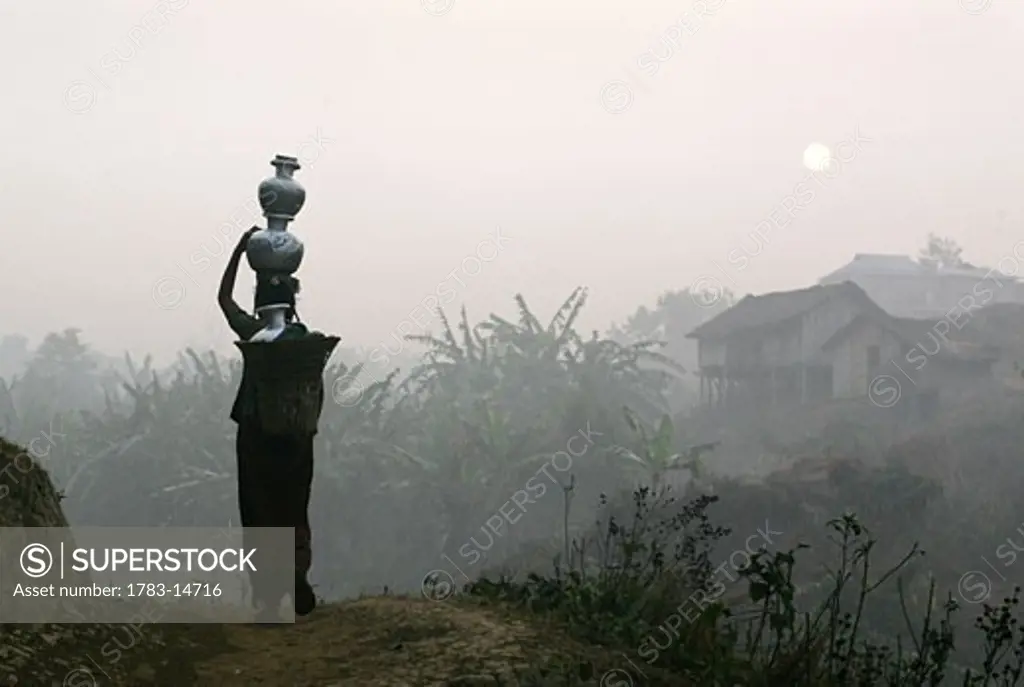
941, 252
676, 314
61, 375
498, 398
14, 354
525, 362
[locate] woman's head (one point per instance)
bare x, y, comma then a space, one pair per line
275, 289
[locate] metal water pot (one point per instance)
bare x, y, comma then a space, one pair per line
275, 249
273, 316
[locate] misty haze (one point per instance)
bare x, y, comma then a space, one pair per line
520, 343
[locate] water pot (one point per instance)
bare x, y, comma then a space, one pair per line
274, 317
275, 249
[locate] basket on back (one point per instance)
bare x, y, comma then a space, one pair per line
285, 378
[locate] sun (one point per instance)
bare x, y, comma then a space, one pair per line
816, 156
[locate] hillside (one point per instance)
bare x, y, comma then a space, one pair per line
382, 640
947, 490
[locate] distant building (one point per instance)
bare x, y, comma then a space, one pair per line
833, 341
768, 348
907, 288
908, 356
1001, 326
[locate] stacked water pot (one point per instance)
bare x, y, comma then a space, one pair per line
287, 375
275, 253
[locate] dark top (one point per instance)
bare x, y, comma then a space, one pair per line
246, 326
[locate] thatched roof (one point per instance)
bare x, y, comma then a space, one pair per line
775, 308
983, 334
968, 343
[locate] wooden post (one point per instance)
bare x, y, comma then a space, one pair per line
803, 383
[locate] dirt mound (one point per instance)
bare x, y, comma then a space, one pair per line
47, 654
27, 495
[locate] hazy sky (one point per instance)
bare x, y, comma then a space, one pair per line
137, 132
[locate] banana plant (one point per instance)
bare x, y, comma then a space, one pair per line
657, 456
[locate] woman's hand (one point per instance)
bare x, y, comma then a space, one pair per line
227, 280
243, 240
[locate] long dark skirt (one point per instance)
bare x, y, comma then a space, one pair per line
275, 478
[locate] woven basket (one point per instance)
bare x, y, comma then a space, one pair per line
286, 381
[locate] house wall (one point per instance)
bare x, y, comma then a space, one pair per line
851, 376
850, 373
821, 324
800, 343
710, 353
782, 345
744, 352
797, 342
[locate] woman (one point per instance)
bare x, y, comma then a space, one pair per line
275, 472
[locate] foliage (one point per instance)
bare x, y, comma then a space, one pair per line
674, 316
680, 626
456, 438
657, 455
942, 252
411, 468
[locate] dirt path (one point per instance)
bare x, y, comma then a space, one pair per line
373, 641
385, 640
392, 641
